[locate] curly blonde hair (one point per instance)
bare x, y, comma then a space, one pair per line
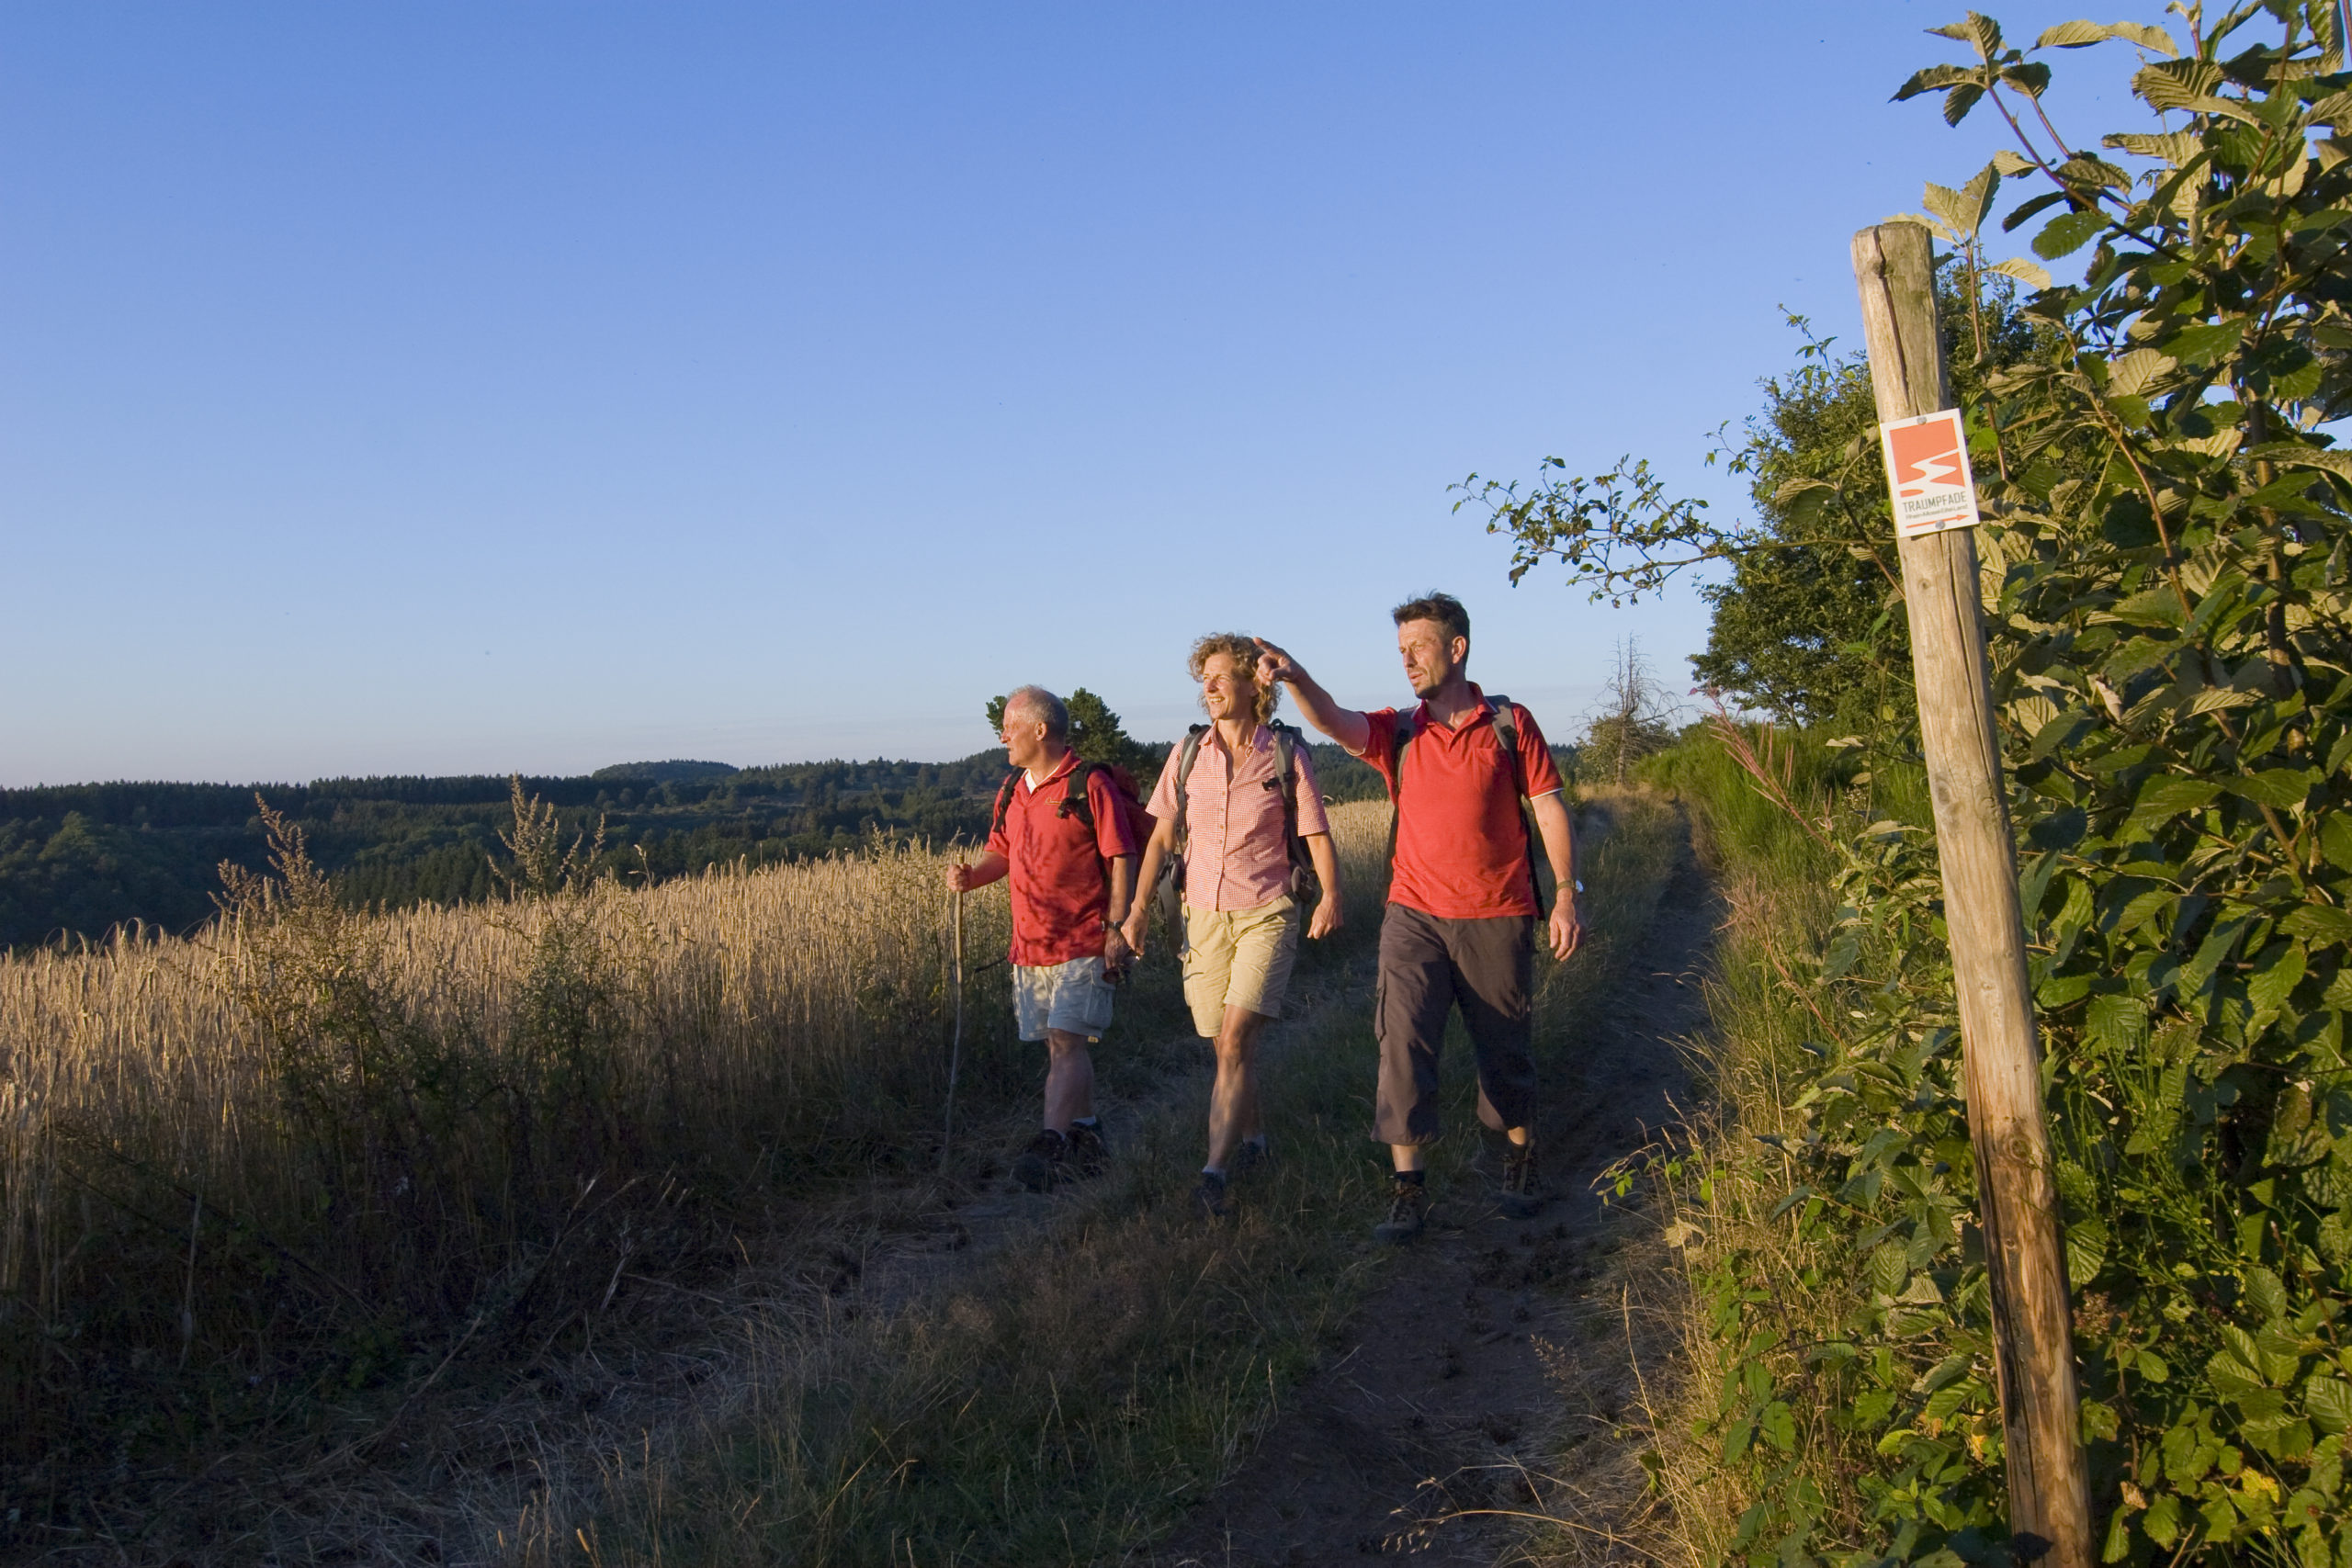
1243, 652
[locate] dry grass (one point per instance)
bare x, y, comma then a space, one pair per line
280, 1199
1715, 1188
264, 1172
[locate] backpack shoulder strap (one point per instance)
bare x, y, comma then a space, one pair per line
1074, 802
1188, 751
1409, 725
1507, 735
1286, 743
1003, 802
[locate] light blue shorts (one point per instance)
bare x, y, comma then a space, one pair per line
1072, 998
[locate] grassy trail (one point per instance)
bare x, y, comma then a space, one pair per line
1073, 1386
893, 1366
1487, 1404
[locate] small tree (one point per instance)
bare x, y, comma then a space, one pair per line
1635, 717
1096, 732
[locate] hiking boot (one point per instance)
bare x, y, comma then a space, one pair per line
1408, 1205
1523, 1196
1250, 1154
1040, 1164
1088, 1155
1209, 1200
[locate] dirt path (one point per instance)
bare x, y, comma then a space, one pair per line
1489, 1350
1486, 1350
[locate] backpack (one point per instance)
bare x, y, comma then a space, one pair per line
1306, 887
1074, 802
1507, 735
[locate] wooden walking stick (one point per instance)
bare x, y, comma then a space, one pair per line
2016, 1185
955, 1052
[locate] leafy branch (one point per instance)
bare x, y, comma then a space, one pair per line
1618, 533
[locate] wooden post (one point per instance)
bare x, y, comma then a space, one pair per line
2016, 1181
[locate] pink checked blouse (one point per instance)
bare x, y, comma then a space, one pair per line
1234, 857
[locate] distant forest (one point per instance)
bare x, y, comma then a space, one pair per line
76, 860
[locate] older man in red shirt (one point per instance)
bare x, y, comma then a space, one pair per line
1463, 897
1071, 878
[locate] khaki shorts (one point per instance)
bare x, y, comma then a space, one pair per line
1072, 998
1238, 958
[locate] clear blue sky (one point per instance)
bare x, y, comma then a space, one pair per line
474, 387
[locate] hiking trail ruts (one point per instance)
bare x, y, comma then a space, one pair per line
1484, 1382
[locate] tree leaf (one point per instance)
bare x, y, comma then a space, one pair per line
2093, 173
1949, 205
2168, 85
2168, 795
2072, 35
2329, 1400
2022, 270
2273, 786
2320, 922
2270, 989
2026, 210
2086, 1253
2067, 233
1932, 79
2203, 345
2336, 838
2136, 372
2032, 78
2174, 147
1976, 195
2298, 454
2146, 37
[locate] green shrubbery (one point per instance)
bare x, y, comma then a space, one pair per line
2171, 624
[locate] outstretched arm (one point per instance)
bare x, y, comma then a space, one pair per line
1352, 729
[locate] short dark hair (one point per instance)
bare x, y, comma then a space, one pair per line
1442, 608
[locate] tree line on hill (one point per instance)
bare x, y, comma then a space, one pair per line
77, 859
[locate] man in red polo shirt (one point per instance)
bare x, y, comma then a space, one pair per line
1462, 896
1071, 885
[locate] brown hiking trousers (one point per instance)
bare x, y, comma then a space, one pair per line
1428, 966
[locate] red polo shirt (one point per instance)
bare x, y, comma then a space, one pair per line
1061, 891
1460, 841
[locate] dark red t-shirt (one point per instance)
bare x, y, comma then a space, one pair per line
1460, 841
1061, 891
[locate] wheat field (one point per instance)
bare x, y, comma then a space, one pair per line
304, 1124
301, 1152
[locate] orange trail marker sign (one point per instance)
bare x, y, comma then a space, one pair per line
1927, 469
